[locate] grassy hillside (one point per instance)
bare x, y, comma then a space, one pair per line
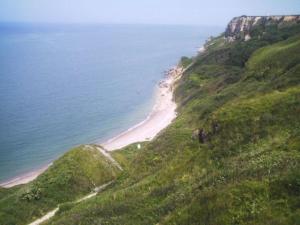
245, 96
245, 99
72, 176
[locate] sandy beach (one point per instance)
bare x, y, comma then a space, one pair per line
162, 114
25, 178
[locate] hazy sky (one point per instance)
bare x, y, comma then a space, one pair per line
202, 12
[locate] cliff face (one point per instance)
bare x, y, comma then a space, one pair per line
241, 27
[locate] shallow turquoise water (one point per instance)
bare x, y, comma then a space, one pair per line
61, 86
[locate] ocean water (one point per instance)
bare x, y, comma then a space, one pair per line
64, 85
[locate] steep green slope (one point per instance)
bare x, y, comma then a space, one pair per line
75, 174
245, 97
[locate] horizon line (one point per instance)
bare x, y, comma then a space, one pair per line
107, 23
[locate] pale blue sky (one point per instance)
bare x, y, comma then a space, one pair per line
201, 12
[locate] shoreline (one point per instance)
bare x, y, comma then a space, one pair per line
24, 178
162, 114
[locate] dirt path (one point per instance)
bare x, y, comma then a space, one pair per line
52, 213
106, 154
95, 192
109, 157
44, 218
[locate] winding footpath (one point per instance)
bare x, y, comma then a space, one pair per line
95, 191
44, 218
109, 157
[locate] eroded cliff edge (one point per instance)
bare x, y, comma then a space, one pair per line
244, 27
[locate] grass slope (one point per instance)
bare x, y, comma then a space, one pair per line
70, 177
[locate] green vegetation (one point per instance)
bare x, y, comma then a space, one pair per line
70, 177
185, 61
245, 97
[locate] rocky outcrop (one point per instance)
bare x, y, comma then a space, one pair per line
242, 27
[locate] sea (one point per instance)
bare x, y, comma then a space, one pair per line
62, 85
